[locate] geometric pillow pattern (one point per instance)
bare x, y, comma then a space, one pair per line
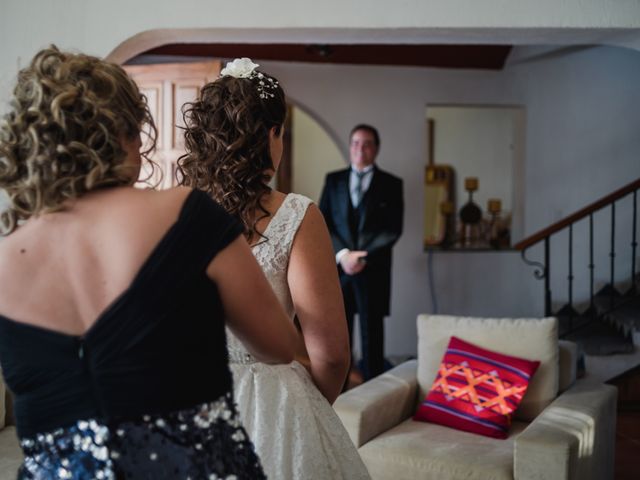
476, 390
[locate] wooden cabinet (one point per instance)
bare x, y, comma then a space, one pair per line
168, 86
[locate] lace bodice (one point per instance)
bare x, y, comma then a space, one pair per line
272, 254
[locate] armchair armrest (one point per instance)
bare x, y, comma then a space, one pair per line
568, 360
573, 438
379, 404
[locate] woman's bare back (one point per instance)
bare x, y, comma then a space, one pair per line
61, 270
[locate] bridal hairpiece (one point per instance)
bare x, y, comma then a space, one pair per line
245, 68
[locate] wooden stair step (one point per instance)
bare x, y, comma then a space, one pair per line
604, 303
598, 338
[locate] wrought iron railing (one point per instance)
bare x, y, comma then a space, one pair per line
543, 269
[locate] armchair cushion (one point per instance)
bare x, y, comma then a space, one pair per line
530, 338
417, 450
10, 453
476, 390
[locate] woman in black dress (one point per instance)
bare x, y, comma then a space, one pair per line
114, 299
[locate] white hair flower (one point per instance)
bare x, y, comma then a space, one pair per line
245, 68
239, 68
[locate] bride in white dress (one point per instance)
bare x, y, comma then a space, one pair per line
234, 142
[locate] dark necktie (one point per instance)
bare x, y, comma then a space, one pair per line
359, 192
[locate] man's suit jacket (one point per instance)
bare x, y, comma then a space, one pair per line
380, 226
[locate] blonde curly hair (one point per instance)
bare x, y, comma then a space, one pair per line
63, 135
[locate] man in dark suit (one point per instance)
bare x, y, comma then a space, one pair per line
363, 208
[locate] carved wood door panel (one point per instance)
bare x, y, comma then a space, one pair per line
168, 86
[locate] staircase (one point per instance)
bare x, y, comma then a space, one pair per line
625, 316
609, 328
605, 323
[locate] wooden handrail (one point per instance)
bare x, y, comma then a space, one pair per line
579, 215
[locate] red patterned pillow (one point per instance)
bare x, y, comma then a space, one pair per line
476, 390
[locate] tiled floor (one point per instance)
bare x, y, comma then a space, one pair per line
628, 425
628, 446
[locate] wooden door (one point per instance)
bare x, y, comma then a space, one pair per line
168, 86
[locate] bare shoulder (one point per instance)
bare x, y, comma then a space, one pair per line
140, 207
274, 200
313, 219
313, 227
278, 196
168, 201
311, 262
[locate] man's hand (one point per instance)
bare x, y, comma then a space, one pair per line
353, 261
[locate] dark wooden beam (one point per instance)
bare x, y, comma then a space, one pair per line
485, 57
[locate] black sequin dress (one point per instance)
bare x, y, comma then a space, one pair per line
146, 393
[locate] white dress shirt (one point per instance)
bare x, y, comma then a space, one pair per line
353, 183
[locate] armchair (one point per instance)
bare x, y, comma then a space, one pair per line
564, 429
10, 451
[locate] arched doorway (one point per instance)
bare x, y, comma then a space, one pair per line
314, 153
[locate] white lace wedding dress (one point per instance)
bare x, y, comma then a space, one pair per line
295, 430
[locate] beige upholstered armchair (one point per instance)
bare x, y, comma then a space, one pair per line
564, 429
10, 452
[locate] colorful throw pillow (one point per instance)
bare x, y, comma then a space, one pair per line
476, 390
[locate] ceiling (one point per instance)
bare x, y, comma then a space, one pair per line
485, 57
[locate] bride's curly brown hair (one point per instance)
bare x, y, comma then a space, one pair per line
227, 143
63, 134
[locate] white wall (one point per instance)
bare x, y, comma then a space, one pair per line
98, 27
583, 142
314, 154
583, 111
478, 142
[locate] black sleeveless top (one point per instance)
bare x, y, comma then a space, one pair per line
146, 392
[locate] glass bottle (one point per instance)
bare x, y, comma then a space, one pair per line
448, 211
494, 207
470, 216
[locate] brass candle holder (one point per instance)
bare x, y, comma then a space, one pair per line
497, 233
471, 184
494, 206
